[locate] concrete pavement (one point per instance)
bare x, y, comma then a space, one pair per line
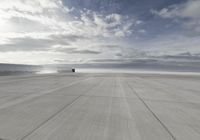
100, 107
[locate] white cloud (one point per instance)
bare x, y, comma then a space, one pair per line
52, 15
189, 9
188, 12
106, 25
34, 6
51, 29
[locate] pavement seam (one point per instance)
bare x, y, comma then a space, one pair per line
168, 101
23, 79
35, 77
55, 114
149, 109
175, 86
128, 107
35, 96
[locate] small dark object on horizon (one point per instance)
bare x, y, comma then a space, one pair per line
73, 70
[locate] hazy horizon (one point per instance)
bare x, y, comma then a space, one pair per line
134, 67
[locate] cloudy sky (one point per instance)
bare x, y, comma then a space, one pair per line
85, 31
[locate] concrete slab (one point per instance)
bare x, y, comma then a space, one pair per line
100, 107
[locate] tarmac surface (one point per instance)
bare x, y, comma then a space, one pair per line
100, 107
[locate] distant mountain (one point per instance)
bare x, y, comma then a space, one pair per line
17, 67
13, 69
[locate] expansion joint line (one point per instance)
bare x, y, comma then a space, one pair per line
55, 114
150, 110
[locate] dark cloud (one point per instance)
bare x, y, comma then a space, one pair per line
119, 54
183, 56
76, 51
26, 44
63, 39
39, 44
109, 46
107, 60
86, 52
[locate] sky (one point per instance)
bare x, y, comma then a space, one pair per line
98, 31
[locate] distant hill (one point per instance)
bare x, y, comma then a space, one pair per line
13, 69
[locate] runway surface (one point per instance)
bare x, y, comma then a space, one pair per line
100, 107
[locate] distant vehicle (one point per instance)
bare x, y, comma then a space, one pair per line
73, 70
